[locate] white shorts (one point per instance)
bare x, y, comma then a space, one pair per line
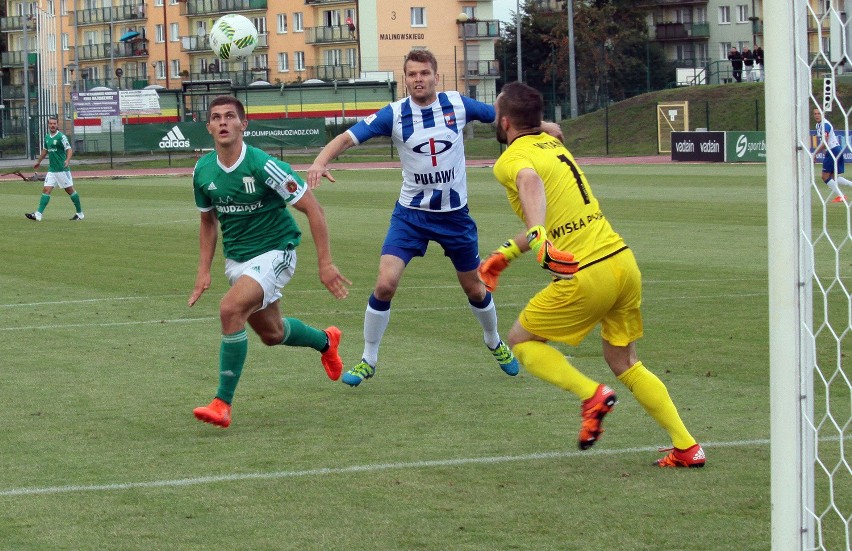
62, 179
272, 270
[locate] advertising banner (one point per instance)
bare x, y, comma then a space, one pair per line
746, 147
698, 146
192, 136
91, 105
845, 139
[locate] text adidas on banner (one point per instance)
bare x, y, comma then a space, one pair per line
174, 139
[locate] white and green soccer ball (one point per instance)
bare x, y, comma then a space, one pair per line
233, 36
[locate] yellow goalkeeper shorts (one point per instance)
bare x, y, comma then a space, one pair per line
608, 292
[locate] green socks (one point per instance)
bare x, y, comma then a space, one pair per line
296, 333
232, 357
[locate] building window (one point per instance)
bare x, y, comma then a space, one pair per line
65, 41
259, 24
469, 11
352, 57
332, 57
175, 63
158, 3
742, 13
283, 63
159, 34
418, 17
724, 50
298, 22
160, 69
300, 61
174, 32
282, 23
724, 15
700, 14
69, 112
63, 8
261, 61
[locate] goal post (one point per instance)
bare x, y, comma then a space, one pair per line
783, 158
810, 307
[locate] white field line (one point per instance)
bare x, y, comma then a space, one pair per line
374, 467
459, 307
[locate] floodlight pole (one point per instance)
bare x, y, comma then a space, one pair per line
518, 39
572, 61
27, 83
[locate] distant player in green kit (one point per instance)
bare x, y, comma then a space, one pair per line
58, 151
247, 192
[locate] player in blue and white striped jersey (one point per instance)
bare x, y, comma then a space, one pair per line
426, 127
833, 164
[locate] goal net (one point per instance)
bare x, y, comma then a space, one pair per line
810, 274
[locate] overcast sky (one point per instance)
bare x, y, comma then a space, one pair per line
503, 9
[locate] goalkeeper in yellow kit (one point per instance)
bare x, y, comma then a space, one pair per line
595, 277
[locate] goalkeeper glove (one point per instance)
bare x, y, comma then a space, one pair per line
559, 263
489, 270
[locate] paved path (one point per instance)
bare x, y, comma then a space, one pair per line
123, 172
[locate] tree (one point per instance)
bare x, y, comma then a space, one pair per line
614, 58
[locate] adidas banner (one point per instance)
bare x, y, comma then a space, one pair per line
191, 136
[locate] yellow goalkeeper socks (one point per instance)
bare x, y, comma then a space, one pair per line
652, 395
549, 364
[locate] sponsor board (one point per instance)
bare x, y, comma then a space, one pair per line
191, 136
746, 147
845, 138
698, 146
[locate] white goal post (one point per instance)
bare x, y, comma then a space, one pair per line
810, 254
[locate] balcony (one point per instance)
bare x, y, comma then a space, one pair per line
475, 30
138, 48
331, 72
480, 69
327, 2
16, 91
329, 35
15, 23
237, 78
112, 14
16, 59
669, 3
682, 31
213, 7
201, 44
123, 83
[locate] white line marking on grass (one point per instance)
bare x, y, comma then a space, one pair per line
411, 465
459, 307
161, 222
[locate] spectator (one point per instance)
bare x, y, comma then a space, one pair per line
748, 61
351, 25
759, 75
736, 64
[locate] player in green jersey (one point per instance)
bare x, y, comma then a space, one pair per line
597, 283
58, 151
247, 192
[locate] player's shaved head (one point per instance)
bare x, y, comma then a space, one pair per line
522, 104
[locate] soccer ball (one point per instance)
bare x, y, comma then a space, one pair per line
233, 37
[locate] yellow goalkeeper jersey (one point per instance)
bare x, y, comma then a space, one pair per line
574, 221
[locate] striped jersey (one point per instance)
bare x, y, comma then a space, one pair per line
250, 199
56, 146
825, 133
431, 147
574, 220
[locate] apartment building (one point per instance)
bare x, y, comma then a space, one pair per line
58, 47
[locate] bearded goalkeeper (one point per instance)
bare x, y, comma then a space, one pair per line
595, 277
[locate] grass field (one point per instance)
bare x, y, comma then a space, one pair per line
103, 362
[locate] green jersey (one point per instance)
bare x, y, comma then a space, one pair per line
56, 146
251, 201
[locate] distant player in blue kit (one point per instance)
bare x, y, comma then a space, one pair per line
833, 164
426, 127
